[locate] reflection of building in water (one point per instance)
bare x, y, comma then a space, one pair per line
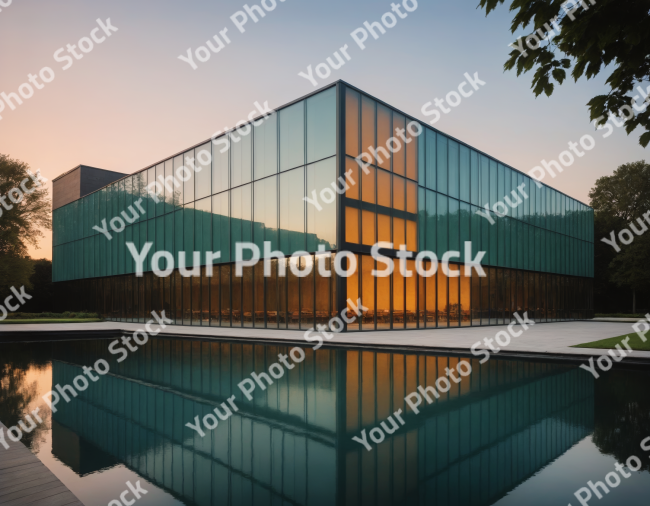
293, 441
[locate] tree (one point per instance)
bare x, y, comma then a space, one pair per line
586, 38
42, 288
620, 202
24, 212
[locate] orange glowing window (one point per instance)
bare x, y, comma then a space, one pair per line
352, 225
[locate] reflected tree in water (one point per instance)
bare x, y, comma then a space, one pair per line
16, 393
622, 414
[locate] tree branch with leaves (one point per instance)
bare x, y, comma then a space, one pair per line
586, 37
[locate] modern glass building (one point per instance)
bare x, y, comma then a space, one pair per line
420, 192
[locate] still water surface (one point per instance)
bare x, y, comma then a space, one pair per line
513, 432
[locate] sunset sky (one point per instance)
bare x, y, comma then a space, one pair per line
130, 101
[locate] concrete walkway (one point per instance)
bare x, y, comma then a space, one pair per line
542, 338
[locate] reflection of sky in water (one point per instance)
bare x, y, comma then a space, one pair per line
519, 432
557, 482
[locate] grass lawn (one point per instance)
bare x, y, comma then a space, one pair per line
52, 320
607, 344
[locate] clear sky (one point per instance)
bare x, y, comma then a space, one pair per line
130, 101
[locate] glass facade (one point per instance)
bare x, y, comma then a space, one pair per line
254, 192
418, 191
422, 191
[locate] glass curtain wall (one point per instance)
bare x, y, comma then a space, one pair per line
248, 185
216, 296
435, 301
424, 191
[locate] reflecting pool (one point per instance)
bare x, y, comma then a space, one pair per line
512, 432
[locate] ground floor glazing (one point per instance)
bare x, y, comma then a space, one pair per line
292, 302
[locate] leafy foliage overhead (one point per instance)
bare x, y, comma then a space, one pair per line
586, 36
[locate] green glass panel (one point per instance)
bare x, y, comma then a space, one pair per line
240, 222
259, 214
501, 252
221, 225
431, 159
102, 207
169, 233
494, 242
129, 266
102, 255
513, 187
507, 186
504, 227
422, 219
475, 231
501, 182
485, 240
151, 237
432, 212
292, 211
178, 190
321, 223
465, 221
527, 201
203, 175
442, 165
442, 225
465, 174
271, 229
531, 189
84, 218
135, 240
321, 125
143, 225
454, 169
166, 195
241, 156
493, 182
188, 233
114, 245
122, 252
485, 181
189, 173
178, 234
265, 143
422, 168
454, 225
220, 165
520, 244
159, 244
532, 252
160, 206
292, 136
203, 227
